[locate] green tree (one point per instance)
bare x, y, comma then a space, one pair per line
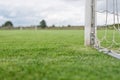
69, 25
53, 25
43, 24
7, 24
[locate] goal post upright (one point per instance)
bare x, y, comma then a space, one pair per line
90, 23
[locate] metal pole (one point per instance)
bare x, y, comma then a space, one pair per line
90, 23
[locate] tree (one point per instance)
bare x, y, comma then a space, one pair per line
7, 24
43, 24
53, 25
69, 25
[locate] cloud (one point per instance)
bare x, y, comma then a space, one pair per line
102, 5
58, 12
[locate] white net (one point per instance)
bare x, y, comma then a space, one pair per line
109, 32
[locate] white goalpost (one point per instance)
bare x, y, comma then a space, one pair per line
90, 23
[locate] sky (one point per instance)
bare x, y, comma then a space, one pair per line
58, 12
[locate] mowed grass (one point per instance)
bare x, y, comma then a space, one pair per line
53, 55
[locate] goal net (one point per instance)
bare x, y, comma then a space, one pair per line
108, 24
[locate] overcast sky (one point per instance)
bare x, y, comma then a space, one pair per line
58, 12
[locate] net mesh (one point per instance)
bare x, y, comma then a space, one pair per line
108, 34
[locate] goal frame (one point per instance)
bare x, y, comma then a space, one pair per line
90, 23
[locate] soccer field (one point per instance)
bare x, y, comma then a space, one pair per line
53, 55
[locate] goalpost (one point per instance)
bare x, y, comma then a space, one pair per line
90, 23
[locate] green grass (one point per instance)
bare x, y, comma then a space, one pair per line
53, 55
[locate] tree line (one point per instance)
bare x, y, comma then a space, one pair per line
9, 24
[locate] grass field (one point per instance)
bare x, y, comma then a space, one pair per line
52, 55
